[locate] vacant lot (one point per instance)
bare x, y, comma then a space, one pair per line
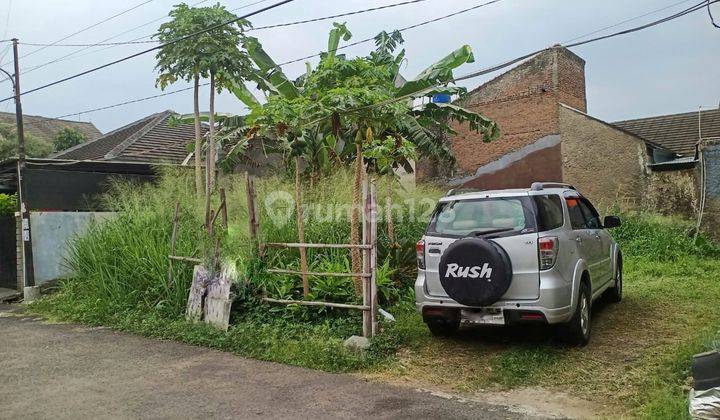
636, 362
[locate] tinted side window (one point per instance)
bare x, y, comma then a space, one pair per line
550, 212
577, 220
591, 215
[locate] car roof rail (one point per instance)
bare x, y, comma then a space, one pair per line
462, 190
539, 186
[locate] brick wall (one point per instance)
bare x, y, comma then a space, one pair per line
523, 102
606, 164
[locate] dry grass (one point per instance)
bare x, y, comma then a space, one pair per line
635, 363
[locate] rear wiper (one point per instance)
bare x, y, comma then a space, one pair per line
488, 232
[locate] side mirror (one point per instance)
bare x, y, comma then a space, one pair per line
611, 222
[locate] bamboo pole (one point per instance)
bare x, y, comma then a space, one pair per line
172, 243
185, 259
309, 245
317, 273
301, 228
252, 211
223, 208
316, 303
366, 319
373, 259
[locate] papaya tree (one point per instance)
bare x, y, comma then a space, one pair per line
214, 54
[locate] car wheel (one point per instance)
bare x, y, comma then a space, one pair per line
614, 293
577, 331
443, 327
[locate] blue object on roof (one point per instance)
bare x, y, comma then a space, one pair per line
441, 98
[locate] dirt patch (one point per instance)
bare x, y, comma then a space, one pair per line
540, 402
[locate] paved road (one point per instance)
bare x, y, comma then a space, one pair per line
69, 371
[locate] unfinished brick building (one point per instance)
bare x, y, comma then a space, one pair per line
546, 135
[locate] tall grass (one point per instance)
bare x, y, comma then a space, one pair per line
122, 263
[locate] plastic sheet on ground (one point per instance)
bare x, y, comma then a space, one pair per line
705, 404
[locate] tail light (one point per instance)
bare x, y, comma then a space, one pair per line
420, 248
547, 252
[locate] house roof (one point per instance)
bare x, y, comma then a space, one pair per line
678, 133
151, 139
46, 128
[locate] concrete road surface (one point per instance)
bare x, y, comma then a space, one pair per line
69, 371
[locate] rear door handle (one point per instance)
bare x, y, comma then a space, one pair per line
433, 251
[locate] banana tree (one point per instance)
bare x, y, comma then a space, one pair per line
344, 104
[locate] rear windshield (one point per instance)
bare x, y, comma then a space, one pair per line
497, 216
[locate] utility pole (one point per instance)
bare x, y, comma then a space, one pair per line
28, 266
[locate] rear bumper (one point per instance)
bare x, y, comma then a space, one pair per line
554, 302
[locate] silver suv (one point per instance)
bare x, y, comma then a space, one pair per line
537, 255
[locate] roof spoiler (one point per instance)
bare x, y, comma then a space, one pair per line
539, 186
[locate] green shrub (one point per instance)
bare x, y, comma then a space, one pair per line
122, 263
661, 238
8, 204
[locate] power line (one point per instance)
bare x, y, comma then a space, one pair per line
282, 64
89, 27
588, 41
139, 40
132, 41
712, 19
175, 41
7, 26
627, 20
73, 53
456, 79
97, 44
362, 41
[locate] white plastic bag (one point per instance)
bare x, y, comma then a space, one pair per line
705, 405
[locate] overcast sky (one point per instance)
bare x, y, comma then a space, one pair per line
674, 67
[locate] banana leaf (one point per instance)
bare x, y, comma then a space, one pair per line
241, 92
438, 73
339, 31
427, 144
476, 122
271, 72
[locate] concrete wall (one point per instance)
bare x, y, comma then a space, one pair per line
711, 218
51, 232
606, 164
539, 161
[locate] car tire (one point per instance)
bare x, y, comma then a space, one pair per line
577, 331
614, 294
443, 327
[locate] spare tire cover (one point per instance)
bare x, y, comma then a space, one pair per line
475, 271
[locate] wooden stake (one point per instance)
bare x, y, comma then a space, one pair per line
301, 228
252, 211
172, 243
223, 208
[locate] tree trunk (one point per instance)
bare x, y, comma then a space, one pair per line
210, 155
212, 152
301, 228
388, 211
198, 138
355, 215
